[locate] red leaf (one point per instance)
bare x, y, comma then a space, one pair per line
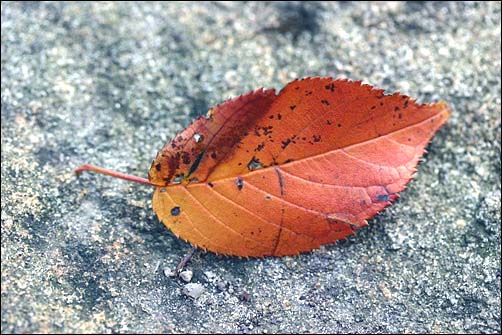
274, 175
267, 175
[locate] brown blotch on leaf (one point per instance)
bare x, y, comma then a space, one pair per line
186, 158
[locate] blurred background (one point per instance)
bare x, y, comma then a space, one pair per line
109, 83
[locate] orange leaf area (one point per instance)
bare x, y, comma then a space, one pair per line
275, 175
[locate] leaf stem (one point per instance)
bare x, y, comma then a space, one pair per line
128, 177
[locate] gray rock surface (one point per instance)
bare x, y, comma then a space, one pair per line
193, 290
110, 83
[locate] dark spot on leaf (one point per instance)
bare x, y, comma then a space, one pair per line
373, 107
213, 155
186, 157
316, 138
158, 166
198, 137
175, 211
292, 107
339, 125
281, 182
406, 104
325, 102
383, 197
210, 184
271, 117
330, 87
396, 108
381, 104
279, 116
260, 146
328, 122
195, 164
266, 130
285, 143
254, 164
239, 182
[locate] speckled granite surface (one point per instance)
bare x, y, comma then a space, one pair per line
110, 83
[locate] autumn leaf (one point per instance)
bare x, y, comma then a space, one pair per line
273, 175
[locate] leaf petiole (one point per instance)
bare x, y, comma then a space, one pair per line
128, 177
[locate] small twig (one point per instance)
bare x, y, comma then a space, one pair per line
185, 260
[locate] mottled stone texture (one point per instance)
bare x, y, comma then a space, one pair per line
110, 83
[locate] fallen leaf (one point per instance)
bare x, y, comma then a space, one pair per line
274, 175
